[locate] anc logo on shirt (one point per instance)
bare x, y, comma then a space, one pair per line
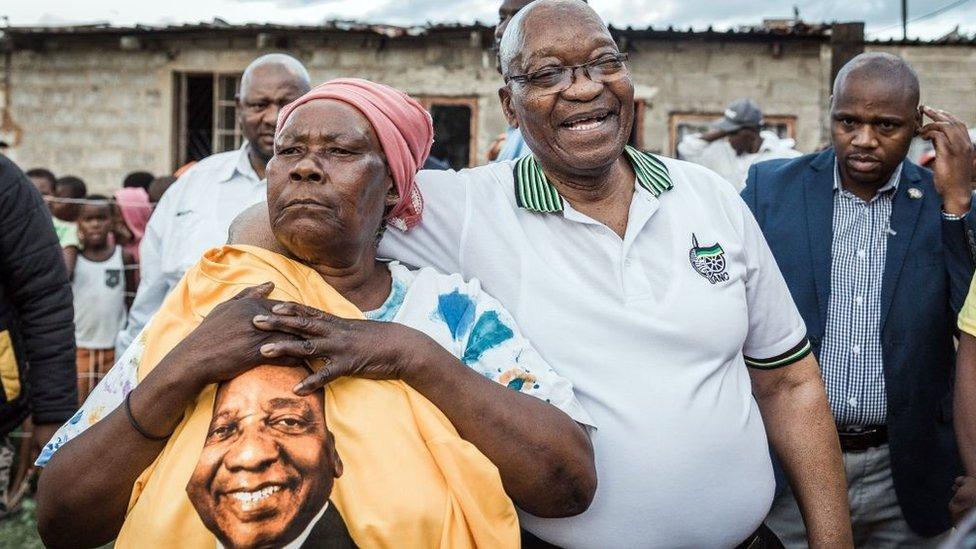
709, 261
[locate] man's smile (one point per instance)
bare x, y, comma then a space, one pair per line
248, 499
259, 501
587, 121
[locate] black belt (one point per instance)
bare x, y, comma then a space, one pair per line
763, 538
862, 439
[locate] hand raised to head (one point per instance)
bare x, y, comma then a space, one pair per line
953, 165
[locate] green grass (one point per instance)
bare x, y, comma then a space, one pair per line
20, 530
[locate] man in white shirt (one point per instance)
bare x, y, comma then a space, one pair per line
736, 142
197, 210
647, 281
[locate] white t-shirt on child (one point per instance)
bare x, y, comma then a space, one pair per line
99, 299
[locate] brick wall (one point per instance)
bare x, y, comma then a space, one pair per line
947, 75
95, 115
707, 76
99, 112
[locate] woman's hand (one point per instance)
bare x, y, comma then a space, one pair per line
226, 343
355, 348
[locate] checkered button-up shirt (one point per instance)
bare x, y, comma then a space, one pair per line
851, 358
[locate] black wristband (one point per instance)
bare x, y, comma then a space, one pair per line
137, 427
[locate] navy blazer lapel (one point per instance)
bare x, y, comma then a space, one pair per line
904, 218
819, 197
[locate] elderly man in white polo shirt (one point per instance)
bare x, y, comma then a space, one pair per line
197, 210
647, 282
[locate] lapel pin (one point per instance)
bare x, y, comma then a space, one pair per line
914, 193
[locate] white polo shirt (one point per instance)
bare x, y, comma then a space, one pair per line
652, 330
192, 217
733, 167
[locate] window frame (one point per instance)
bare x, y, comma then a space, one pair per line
219, 125
470, 101
219, 128
637, 132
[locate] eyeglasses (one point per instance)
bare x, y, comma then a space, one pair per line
552, 80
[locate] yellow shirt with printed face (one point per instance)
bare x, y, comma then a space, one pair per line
967, 316
410, 481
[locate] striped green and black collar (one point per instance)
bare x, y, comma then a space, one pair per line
534, 192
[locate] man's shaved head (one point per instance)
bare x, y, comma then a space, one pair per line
252, 228
506, 12
269, 83
885, 68
535, 17
874, 117
278, 62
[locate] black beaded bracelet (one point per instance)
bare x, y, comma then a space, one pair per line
135, 424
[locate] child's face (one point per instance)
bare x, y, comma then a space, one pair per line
43, 184
63, 210
94, 223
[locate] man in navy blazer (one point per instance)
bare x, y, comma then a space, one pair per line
878, 254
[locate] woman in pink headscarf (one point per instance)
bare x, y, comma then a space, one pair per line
492, 424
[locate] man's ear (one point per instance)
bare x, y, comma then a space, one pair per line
505, 95
830, 111
338, 467
239, 110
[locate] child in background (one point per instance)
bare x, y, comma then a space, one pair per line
101, 285
158, 188
43, 179
65, 214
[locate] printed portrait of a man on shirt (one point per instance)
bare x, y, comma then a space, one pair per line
268, 465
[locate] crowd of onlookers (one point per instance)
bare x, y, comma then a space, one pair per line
99, 236
60, 314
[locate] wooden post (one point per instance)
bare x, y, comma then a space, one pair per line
846, 42
904, 19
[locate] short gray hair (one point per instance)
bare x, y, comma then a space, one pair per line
283, 60
511, 46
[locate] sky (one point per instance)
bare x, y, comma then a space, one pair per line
882, 17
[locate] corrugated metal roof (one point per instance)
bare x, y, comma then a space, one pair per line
778, 30
220, 25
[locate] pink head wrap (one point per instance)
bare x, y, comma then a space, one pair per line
134, 204
402, 125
